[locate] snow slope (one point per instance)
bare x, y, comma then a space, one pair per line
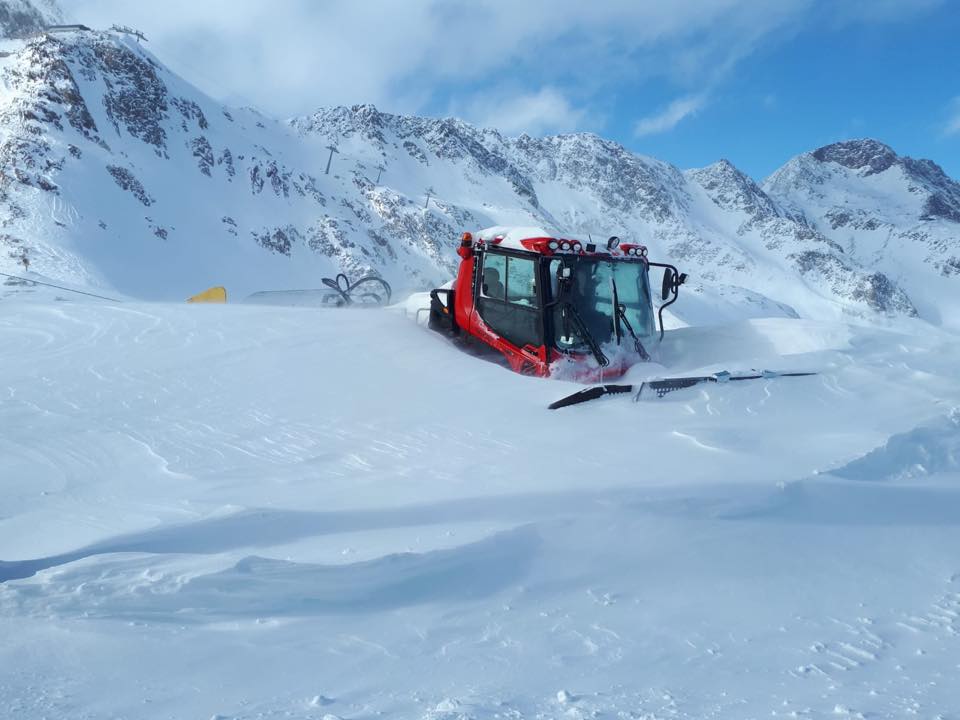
258, 512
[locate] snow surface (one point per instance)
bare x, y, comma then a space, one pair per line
258, 512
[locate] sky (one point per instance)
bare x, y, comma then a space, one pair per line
686, 81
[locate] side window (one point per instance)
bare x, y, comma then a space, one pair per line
494, 277
508, 298
521, 287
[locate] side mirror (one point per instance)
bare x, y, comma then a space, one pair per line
668, 283
671, 282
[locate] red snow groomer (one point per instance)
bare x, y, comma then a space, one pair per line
552, 306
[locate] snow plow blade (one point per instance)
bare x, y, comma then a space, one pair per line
665, 386
590, 393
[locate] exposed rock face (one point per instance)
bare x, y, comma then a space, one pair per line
127, 181
867, 156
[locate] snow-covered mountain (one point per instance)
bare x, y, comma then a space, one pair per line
892, 214
715, 221
117, 173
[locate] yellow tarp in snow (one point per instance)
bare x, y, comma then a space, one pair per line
211, 295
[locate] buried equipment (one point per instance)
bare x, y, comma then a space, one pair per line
539, 302
368, 291
376, 291
665, 386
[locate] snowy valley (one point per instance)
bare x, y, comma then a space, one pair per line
243, 512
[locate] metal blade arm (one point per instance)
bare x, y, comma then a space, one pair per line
602, 359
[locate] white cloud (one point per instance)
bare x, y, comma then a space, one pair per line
539, 113
953, 124
291, 56
670, 116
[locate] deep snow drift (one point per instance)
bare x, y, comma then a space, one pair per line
258, 512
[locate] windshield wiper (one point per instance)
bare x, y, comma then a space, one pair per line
602, 359
620, 313
641, 350
617, 331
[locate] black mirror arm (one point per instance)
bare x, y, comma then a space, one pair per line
679, 279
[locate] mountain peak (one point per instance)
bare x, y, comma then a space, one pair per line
867, 153
923, 177
731, 188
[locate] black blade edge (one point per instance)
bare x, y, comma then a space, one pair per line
590, 393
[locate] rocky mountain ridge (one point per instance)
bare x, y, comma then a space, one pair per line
118, 173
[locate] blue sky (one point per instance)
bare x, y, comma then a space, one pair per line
898, 82
687, 81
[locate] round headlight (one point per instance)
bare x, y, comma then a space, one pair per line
632, 251
643, 251
564, 245
577, 247
553, 245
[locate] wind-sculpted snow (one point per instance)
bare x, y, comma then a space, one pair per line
246, 502
259, 586
926, 450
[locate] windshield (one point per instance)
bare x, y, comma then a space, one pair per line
590, 290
